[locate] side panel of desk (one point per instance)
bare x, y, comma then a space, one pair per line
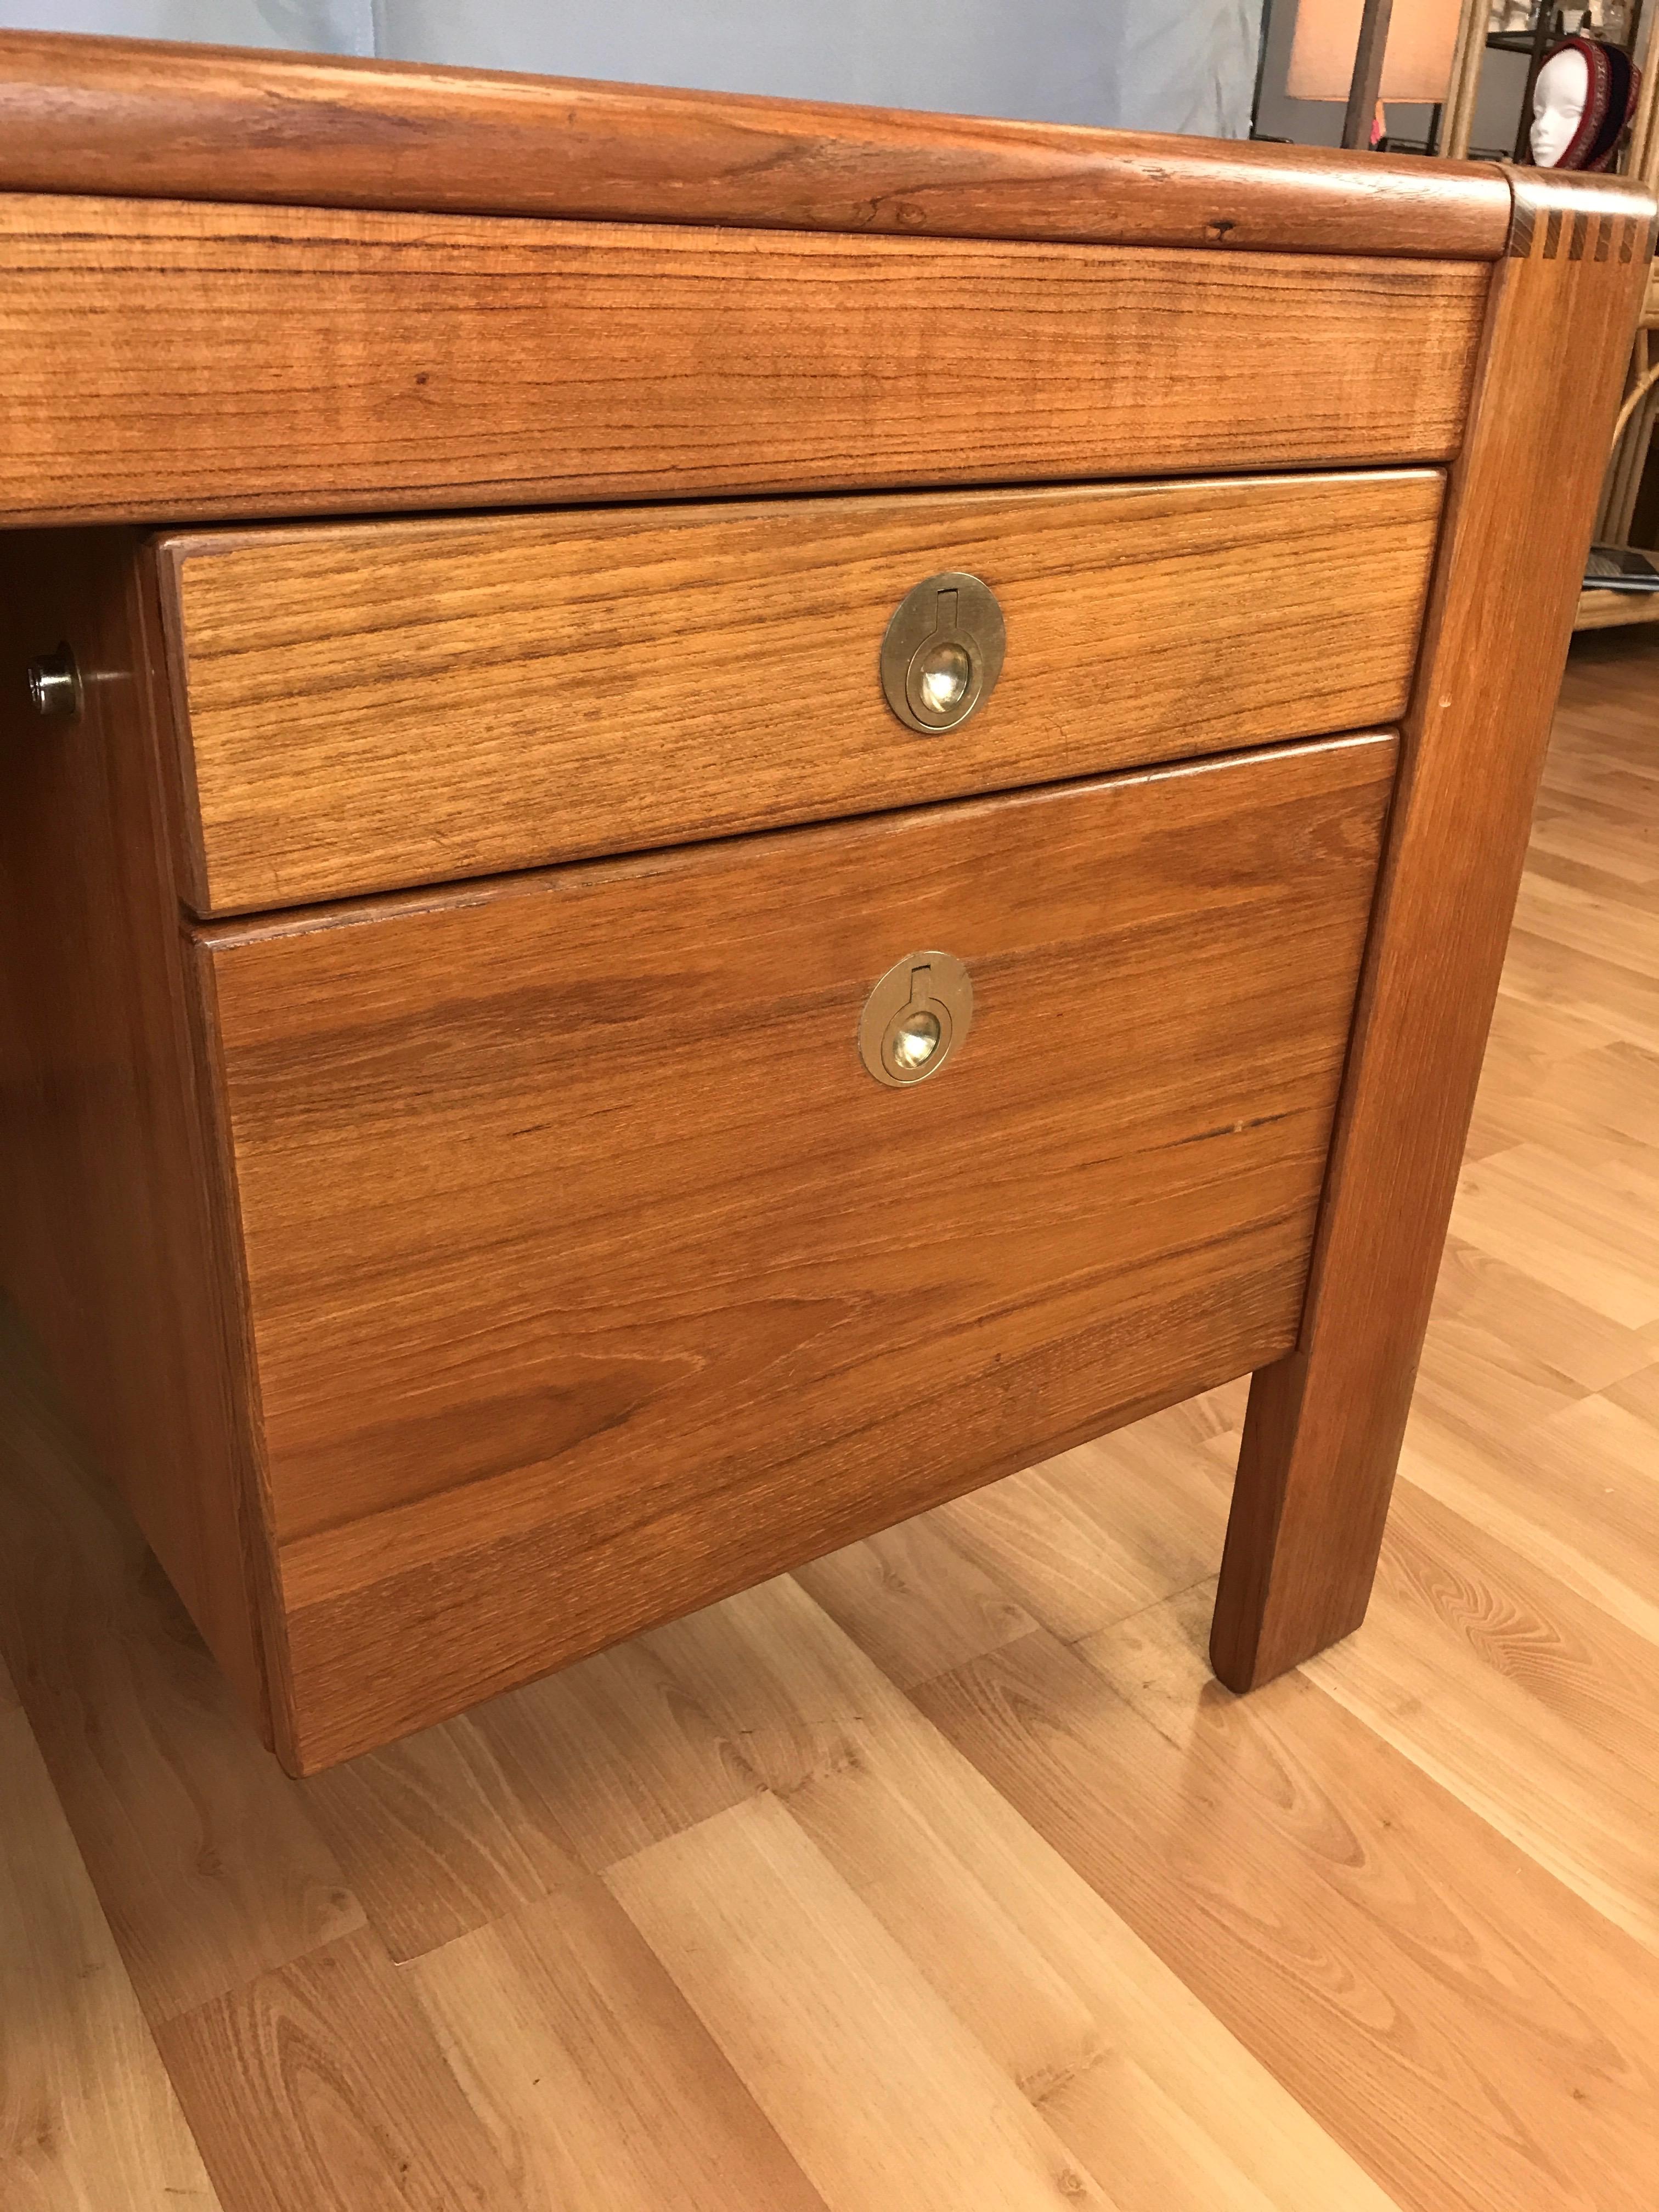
106, 1229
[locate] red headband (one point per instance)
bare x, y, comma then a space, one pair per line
1609, 103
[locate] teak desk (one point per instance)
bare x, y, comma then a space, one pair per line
729, 814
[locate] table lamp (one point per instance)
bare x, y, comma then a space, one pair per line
1364, 51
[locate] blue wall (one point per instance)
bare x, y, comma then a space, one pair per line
1144, 64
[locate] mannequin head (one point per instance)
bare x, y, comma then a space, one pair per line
1584, 95
1558, 100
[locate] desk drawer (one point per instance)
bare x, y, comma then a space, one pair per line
592, 1276
171, 361
368, 705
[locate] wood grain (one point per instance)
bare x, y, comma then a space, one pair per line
330, 362
323, 2086
1422, 1681
88, 2116
436, 1837
913, 1600
1536, 1517
127, 115
726, 1906
604, 2090
760, 1270
1600, 608
613, 1756
374, 705
1460, 2022
1077, 2014
208, 1869
1325, 1426
497, 1809
106, 1246
1113, 1526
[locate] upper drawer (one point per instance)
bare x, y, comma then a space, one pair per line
163, 361
367, 705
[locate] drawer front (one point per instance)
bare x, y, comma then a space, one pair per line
368, 706
592, 1276
329, 361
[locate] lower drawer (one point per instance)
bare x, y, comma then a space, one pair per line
592, 1275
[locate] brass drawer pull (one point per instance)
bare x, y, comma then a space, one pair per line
943, 652
914, 1018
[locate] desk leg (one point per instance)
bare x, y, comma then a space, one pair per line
1324, 1427
1307, 1519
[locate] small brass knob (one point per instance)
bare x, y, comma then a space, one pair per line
943, 652
915, 1018
55, 684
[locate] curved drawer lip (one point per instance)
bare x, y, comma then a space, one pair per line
365, 706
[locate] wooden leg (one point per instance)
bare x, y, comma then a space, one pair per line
1324, 1427
1302, 1540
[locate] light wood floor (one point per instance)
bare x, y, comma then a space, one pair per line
941, 1876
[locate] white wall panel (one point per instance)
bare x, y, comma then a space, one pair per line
329, 26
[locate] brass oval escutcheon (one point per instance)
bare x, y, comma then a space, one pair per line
943, 652
915, 1018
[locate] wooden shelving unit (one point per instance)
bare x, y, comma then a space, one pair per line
1598, 608
1535, 43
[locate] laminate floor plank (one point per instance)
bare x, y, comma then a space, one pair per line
1529, 1057
1615, 840
915, 1599
776, 1677
459, 1824
1561, 979
208, 1869
1467, 1364
1588, 1813
612, 1755
824, 2016
1593, 921
321, 2087
435, 1836
1605, 757
90, 2121
1145, 2085
1607, 1092
1468, 2027
1045, 1976
1639, 1394
1115, 1525
1553, 1335
600, 2088
1570, 1225
1525, 1624
1536, 1505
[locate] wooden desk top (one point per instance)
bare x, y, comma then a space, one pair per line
137, 117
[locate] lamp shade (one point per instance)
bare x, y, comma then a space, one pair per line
1416, 63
